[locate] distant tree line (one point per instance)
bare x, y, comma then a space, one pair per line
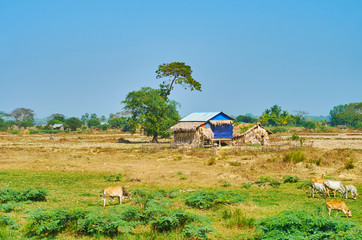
348, 115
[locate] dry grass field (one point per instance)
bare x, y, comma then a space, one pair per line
72, 167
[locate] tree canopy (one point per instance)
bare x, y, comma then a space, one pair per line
178, 73
152, 113
275, 116
73, 123
347, 114
22, 114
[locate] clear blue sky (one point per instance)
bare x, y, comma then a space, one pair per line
73, 57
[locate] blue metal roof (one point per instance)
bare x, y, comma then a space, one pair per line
204, 116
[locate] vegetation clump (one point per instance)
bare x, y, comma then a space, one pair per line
294, 156
305, 225
236, 219
30, 194
291, 179
272, 182
208, 199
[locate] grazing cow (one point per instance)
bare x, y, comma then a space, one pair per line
319, 180
353, 190
318, 187
334, 186
339, 206
119, 192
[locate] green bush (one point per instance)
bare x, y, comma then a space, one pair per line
294, 137
272, 182
30, 194
208, 199
42, 223
291, 179
197, 231
107, 224
294, 156
7, 207
175, 219
113, 178
305, 225
5, 220
18, 131
247, 185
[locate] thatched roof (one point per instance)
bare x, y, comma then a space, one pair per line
186, 126
220, 122
207, 133
251, 127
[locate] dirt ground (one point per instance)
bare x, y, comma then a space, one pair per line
103, 152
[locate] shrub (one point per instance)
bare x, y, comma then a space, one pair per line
305, 184
291, 179
7, 207
143, 197
309, 124
18, 131
247, 185
197, 231
47, 224
212, 161
32, 194
305, 225
274, 183
207, 199
263, 180
349, 164
107, 224
113, 178
175, 219
294, 156
294, 137
5, 220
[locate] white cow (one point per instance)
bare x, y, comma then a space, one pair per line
318, 187
334, 186
353, 190
119, 192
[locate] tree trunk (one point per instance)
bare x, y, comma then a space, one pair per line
154, 139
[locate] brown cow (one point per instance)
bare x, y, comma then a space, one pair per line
119, 192
339, 206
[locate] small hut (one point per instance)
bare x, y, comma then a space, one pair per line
199, 128
58, 126
251, 134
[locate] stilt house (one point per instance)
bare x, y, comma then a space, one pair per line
200, 127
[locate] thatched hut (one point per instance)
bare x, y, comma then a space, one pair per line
198, 128
251, 134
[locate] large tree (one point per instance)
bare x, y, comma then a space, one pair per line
348, 114
73, 123
22, 114
177, 73
56, 118
152, 113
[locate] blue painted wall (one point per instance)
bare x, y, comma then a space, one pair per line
223, 131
